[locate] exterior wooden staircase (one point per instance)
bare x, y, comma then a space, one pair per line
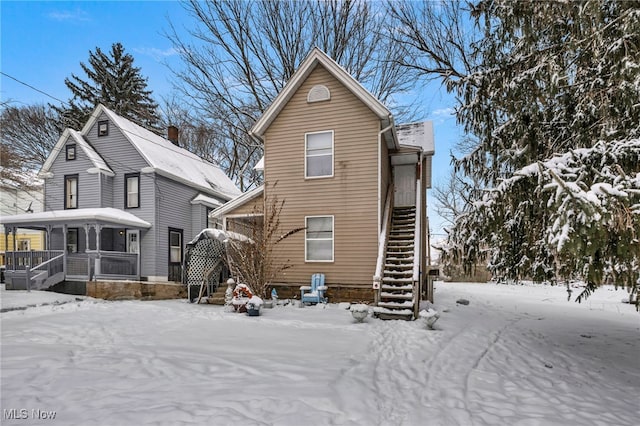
397, 297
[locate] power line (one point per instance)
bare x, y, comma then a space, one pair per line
32, 87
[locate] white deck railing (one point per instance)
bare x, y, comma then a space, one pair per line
417, 250
382, 241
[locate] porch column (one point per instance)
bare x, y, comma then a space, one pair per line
47, 241
139, 265
15, 243
86, 237
64, 250
86, 250
98, 229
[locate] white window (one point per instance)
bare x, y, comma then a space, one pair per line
132, 189
318, 154
71, 192
24, 245
319, 239
175, 246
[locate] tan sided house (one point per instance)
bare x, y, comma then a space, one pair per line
354, 180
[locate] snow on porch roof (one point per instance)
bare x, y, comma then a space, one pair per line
106, 215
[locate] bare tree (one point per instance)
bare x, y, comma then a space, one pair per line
27, 136
451, 197
437, 36
241, 54
253, 261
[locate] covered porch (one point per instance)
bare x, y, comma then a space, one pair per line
80, 245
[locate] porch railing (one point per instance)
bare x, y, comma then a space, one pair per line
79, 266
19, 260
110, 264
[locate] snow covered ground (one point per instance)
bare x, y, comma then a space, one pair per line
516, 355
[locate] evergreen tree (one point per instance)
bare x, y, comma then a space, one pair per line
111, 80
554, 103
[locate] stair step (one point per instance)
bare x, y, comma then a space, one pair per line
393, 314
401, 237
389, 295
408, 243
403, 274
405, 287
407, 304
406, 229
398, 281
407, 265
408, 258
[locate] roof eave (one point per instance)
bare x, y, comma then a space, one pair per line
308, 65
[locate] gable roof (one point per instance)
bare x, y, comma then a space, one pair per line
167, 159
99, 165
315, 58
162, 156
237, 202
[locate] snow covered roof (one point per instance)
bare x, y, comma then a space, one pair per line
106, 214
162, 156
169, 160
260, 164
237, 202
207, 201
99, 165
217, 234
318, 57
417, 134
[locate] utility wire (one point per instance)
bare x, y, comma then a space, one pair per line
31, 87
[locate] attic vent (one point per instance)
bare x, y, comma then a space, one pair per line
318, 93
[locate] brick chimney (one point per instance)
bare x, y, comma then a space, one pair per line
172, 134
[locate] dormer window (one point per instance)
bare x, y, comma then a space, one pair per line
71, 152
318, 93
103, 128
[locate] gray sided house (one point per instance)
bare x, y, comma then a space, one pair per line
120, 203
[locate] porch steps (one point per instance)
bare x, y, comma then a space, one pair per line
396, 296
217, 298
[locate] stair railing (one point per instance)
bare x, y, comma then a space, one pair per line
46, 269
417, 250
382, 243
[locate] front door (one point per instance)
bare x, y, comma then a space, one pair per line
404, 176
175, 254
133, 245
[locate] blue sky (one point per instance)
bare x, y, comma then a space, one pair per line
42, 43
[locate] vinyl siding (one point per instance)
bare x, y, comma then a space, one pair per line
253, 206
88, 195
174, 211
107, 191
123, 158
351, 195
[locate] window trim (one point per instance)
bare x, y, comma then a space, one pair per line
67, 178
333, 238
181, 233
70, 231
71, 148
306, 175
126, 190
106, 132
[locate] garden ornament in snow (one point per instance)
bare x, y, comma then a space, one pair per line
228, 294
359, 311
430, 316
